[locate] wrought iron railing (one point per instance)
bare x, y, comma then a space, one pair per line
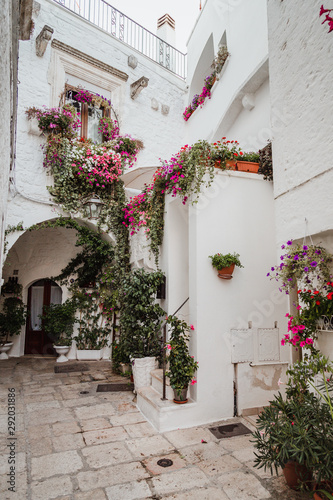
114, 22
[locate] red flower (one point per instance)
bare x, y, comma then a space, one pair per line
318, 302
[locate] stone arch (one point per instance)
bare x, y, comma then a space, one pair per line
41, 254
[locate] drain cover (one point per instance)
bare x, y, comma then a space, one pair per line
114, 387
84, 392
75, 367
165, 462
229, 430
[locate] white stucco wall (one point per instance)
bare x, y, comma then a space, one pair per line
301, 73
6, 91
245, 72
234, 215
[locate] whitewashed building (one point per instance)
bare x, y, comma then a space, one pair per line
238, 323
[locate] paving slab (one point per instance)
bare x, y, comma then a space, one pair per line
129, 418
91, 495
105, 436
154, 468
202, 451
188, 437
104, 455
243, 486
179, 480
139, 430
51, 488
219, 465
94, 424
68, 442
200, 494
145, 447
108, 476
95, 411
64, 463
135, 490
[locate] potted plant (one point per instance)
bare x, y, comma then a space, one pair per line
248, 162
140, 324
12, 286
295, 433
302, 266
94, 326
182, 366
225, 154
225, 264
266, 162
58, 323
12, 318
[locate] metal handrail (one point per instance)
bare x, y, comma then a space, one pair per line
164, 353
122, 27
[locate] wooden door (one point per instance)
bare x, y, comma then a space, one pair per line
41, 293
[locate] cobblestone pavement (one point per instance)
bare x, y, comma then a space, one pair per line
97, 446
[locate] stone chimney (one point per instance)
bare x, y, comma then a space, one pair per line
166, 29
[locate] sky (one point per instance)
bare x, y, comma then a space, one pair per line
146, 13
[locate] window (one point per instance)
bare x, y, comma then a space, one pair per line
89, 113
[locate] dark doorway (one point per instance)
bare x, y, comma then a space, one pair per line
41, 293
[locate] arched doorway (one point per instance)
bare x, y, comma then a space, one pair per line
41, 293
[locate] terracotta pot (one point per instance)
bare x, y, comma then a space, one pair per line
325, 486
247, 166
226, 272
295, 473
182, 398
229, 165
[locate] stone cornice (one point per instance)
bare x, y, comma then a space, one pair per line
56, 44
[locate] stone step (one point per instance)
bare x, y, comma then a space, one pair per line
163, 415
157, 383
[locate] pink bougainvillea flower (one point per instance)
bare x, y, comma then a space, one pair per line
323, 11
302, 344
193, 382
192, 327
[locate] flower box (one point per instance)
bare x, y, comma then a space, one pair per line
247, 166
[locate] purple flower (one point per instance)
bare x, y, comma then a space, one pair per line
268, 274
296, 257
282, 257
289, 242
306, 269
313, 263
272, 268
283, 247
305, 247
318, 252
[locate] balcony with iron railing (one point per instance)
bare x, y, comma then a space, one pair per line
118, 25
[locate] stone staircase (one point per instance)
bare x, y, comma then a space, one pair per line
163, 415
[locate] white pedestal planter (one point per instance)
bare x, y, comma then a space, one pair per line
62, 350
88, 354
142, 368
4, 349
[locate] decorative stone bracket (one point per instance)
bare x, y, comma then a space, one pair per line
137, 86
43, 39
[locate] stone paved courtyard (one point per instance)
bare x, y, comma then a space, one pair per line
98, 446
